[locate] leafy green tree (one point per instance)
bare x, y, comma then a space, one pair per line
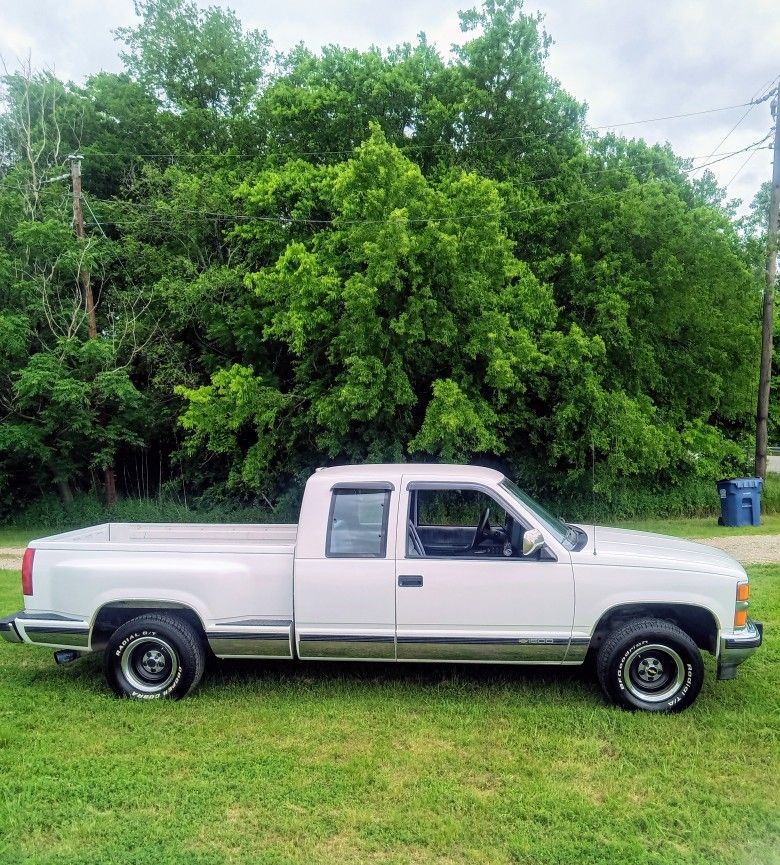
403, 328
664, 283
195, 58
516, 120
361, 255
320, 106
69, 402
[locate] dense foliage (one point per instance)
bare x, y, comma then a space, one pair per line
349, 256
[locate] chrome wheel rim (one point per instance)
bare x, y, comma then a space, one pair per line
653, 673
149, 664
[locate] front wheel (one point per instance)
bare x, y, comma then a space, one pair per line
651, 665
154, 657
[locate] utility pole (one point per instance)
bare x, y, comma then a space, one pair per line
767, 334
89, 300
78, 221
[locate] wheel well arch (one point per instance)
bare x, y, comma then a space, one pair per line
115, 613
699, 623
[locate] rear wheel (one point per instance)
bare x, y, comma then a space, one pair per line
651, 665
154, 657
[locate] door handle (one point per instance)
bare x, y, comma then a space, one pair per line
408, 581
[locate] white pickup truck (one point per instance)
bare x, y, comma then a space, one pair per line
391, 563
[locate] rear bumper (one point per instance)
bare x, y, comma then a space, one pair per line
45, 629
737, 648
8, 629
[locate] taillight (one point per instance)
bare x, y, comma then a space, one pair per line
27, 569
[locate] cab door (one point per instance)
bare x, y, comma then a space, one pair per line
455, 602
344, 592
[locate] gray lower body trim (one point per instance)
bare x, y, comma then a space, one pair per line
485, 649
48, 617
444, 647
578, 649
366, 647
54, 635
272, 640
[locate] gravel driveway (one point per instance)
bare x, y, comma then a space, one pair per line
11, 558
748, 549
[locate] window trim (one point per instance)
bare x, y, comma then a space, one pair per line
371, 486
378, 487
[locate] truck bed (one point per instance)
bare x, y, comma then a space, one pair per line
258, 538
237, 579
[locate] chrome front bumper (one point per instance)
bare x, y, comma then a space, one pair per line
738, 647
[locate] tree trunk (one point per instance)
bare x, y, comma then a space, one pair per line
63, 488
110, 486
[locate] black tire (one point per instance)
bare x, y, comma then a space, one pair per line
154, 657
650, 665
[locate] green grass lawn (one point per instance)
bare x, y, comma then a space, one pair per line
14, 537
411, 764
704, 527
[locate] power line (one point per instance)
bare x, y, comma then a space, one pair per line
769, 93
750, 105
591, 173
173, 157
161, 219
736, 174
754, 101
755, 146
557, 177
92, 212
672, 116
414, 220
732, 130
243, 217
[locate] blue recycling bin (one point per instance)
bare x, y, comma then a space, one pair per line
740, 501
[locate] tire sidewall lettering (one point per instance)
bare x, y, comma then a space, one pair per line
172, 687
160, 694
622, 661
684, 688
130, 638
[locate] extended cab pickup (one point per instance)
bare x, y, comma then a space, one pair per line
391, 563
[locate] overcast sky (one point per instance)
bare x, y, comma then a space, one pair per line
628, 59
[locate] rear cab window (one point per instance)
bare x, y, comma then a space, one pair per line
357, 525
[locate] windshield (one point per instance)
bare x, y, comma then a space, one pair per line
557, 528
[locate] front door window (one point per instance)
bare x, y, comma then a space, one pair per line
461, 523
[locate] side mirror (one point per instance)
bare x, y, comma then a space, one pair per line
533, 540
